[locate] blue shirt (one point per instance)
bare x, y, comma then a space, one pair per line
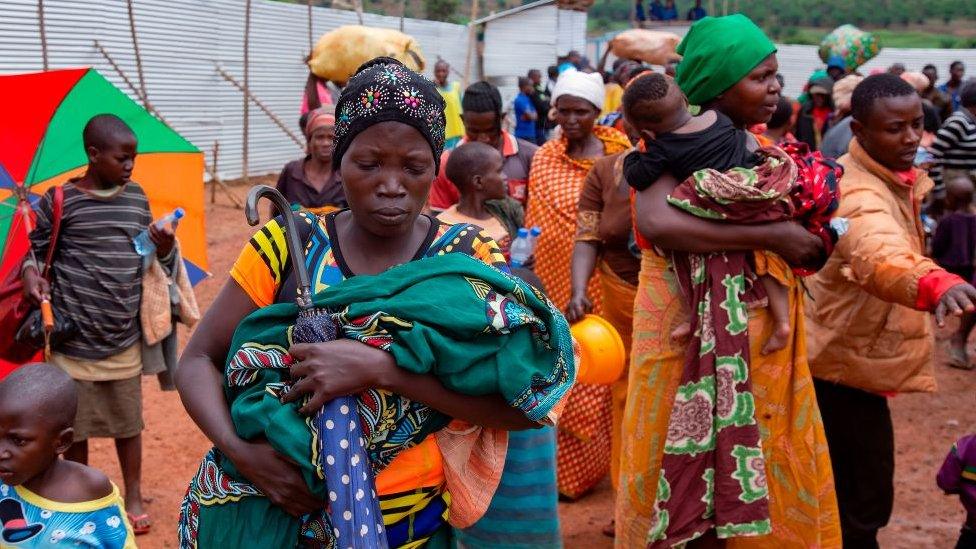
524, 129
954, 96
31, 521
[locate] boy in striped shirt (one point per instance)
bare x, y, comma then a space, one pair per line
97, 283
954, 148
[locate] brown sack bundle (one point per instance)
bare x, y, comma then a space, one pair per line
339, 53
654, 47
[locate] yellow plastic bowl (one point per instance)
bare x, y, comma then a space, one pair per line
602, 353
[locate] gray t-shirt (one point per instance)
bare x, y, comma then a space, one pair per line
837, 139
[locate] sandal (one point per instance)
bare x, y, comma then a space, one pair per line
135, 521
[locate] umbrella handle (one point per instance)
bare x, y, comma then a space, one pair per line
295, 248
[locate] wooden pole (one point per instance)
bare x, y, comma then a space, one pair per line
40, 23
248, 95
472, 43
310, 44
213, 172
135, 48
125, 78
358, 6
403, 12
246, 88
216, 182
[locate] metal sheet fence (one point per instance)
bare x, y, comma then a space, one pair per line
181, 45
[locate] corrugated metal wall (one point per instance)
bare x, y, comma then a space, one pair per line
572, 35
511, 48
529, 39
182, 41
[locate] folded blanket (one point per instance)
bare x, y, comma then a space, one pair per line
480, 331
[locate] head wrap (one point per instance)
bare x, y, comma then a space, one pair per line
918, 80
384, 90
716, 53
578, 84
482, 97
317, 118
843, 89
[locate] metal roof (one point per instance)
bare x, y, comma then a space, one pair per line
513, 11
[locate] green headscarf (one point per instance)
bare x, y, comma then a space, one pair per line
716, 53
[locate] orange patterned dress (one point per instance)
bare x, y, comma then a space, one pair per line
803, 504
555, 183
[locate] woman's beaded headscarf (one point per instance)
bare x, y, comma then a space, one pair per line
384, 90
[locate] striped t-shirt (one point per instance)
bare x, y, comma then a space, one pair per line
954, 147
96, 272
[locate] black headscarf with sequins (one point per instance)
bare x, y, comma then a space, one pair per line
384, 90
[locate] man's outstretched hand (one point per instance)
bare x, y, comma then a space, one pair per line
957, 300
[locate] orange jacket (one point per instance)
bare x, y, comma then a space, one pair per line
863, 330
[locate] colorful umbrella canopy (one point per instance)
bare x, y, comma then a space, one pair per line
41, 119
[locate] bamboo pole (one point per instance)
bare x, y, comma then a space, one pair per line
248, 95
472, 43
246, 88
135, 49
40, 23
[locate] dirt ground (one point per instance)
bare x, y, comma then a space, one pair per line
925, 426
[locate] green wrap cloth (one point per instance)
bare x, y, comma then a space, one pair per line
480, 331
716, 53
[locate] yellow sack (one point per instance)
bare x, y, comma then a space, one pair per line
339, 53
654, 47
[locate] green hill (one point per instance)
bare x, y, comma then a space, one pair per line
900, 23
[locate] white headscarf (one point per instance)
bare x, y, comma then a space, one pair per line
582, 85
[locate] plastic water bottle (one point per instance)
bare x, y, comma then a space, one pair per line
521, 249
143, 244
534, 233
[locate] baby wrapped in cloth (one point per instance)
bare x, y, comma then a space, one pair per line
479, 330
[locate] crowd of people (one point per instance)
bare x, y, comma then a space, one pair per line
771, 265
666, 12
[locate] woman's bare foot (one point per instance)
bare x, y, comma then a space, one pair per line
778, 339
682, 331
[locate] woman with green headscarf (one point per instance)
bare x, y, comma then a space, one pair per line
728, 65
